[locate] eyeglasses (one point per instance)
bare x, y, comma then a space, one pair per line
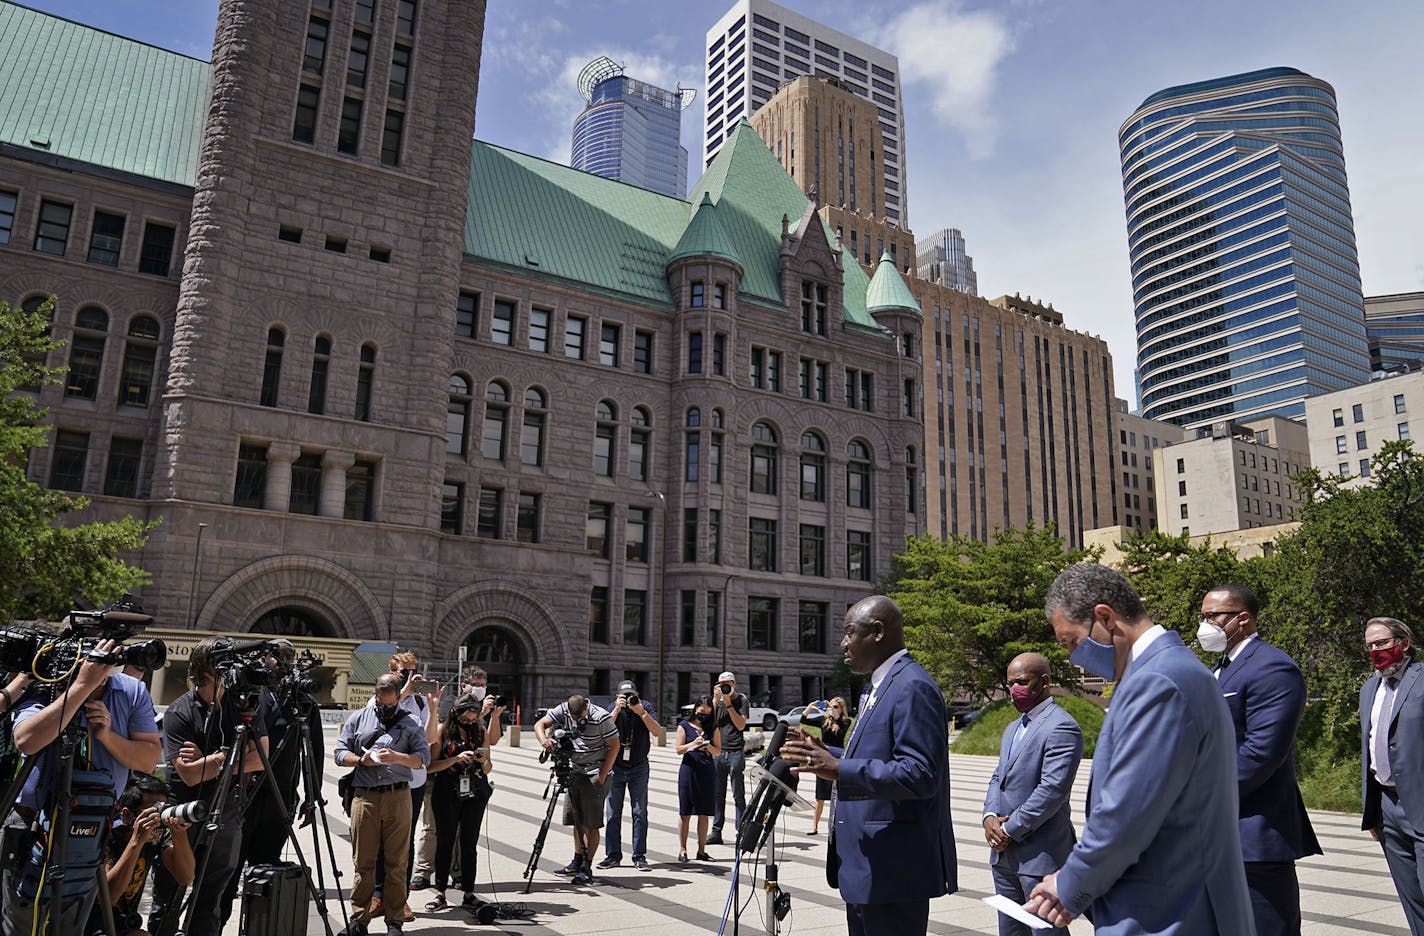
1212, 614
1384, 644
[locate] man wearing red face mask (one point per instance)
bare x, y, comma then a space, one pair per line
1392, 758
1028, 821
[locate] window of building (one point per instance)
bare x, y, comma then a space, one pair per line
304, 123
466, 312
321, 365
605, 438
642, 352
714, 536
360, 500
52, 233
1403, 430
391, 132
156, 254
491, 508
365, 382
502, 322
763, 459
366, 11
813, 549
359, 59
761, 544
1360, 440
598, 615
574, 330
858, 559
814, 304
314, 55
1357, 412
596, 528
405, 17
757, 374
140, 355
1398, 397
635, 616
813, 467
457, 415
608, 337
1338, 416
527, 528
687, 618
762, 613
912, 481
1183, 509
531, 440
719, 355
692, 445
859, 389
306, 484
1341, 445
910, 401
719, 296
858, 475
86, 353
400, 72
121, 473
1181, 489
697, 294
539, 320
272, 366
773, 371
811, 626
8, 203
496, 418
636, 537
452, 508
639, 445
694, 352
348, 131
106, 237
250, 488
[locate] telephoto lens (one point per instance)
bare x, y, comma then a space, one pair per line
191, 813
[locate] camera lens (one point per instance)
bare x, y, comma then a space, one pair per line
190, 813
150, 654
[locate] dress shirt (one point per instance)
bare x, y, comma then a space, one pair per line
881, 671
1022, 730
1231, 655
1380, 717
365, 731
1145, 641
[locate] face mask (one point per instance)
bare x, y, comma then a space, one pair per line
1388, 658
1211, 637
1097, 659
387, 713
478, 692
1024, 697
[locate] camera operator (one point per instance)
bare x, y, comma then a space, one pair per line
137, 841
594, 740
472, 683
386, 745
732, 709
636, 726
118, 714
460, 764
13, 692
198, 728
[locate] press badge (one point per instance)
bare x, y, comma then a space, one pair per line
465, 785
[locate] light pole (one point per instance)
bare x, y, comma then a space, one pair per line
662, 601
726, 599
193, 579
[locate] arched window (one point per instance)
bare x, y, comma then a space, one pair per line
764, 459
272, 366
40, 359
321, 364
692, 445
365, 382
912, 481
140, 357
457, 415
605, 439
858, 475
531, 442
716, 419
813, 467
496, 416
640, 444
86, 353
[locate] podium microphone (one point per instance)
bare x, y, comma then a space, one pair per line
771, 793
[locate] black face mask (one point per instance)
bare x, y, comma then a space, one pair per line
405, 675
388, 714
707, 721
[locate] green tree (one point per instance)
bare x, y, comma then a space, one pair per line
47, 566
971, 607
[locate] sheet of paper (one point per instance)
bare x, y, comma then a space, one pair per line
1012, 910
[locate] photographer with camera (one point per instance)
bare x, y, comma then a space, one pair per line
460, 764
120, 735
636, 725
386, 745
591, 741
142, 837
198, 729
732, 709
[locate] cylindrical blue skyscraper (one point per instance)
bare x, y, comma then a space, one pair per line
630, 130
1245, 275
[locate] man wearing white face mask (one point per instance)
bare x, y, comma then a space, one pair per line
1265, 694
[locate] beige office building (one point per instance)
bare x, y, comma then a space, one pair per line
1232, 476
1138, 442
1348, 427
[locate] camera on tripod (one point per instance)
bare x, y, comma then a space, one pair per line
297, 681
244, 666
52, 656
561, 755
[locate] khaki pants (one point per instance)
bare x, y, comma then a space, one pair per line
377, 819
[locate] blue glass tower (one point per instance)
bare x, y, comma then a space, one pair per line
1245, 276
630, 130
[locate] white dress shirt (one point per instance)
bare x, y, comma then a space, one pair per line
1380, 717
1232, 654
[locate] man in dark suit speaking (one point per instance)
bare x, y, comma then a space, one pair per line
1265, 693
891, 847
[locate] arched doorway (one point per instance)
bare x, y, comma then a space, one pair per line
288, 621
501, 655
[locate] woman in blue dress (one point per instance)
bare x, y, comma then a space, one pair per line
698, 744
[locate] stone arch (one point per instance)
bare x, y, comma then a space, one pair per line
530, 619
318, 585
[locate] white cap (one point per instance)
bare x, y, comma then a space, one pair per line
727, 677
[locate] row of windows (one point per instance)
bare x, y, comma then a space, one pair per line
489, 513
270, 390
54, 226
504, 329
335, 243
1357, 411
69, 462
86, 355
251, 487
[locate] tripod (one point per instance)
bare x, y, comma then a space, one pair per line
557, 783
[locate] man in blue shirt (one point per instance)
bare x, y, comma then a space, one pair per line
385, 744
116, 713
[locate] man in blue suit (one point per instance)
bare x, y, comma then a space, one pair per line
1028, 821
891, 847
1392, 758
1265, 693
1160, 852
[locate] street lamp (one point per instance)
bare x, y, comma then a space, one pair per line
662, 600
726, 598
193, 580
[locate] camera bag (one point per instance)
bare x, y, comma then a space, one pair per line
90, 814
275, 899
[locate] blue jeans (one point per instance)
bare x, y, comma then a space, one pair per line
635, 781
730, 765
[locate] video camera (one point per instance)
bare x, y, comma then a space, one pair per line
562, 755
51, 656
244, 665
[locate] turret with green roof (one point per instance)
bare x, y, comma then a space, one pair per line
887, 291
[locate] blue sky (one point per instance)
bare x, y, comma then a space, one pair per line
1012, 110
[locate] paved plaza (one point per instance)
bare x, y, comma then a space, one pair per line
1347, 890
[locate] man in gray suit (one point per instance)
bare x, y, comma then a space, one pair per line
1392, 758
1027, 818
1160, 851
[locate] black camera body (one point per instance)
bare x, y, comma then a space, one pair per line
562, 755
632, 698
52, 655
244, 666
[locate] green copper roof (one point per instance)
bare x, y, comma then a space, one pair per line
84, 94
888, 291
705, 236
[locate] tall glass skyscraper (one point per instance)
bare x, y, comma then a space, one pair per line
1245, 276
631, 131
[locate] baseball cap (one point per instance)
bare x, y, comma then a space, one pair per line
727, 677
626, 686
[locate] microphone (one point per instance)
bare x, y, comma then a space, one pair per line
773, 747
770, 794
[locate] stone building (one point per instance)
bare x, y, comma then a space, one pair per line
379, 380
1138, 439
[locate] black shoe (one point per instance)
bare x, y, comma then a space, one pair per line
584, 876
641, 864
354, 928
419, 882
394, 929
703, 856
612, 861
715, 838
573, 867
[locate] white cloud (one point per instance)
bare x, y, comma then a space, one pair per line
955, 55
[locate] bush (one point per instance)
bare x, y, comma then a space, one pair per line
984, 733
1327, 760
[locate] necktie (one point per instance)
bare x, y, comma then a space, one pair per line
1223, 661
1380, 752
1019, 733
